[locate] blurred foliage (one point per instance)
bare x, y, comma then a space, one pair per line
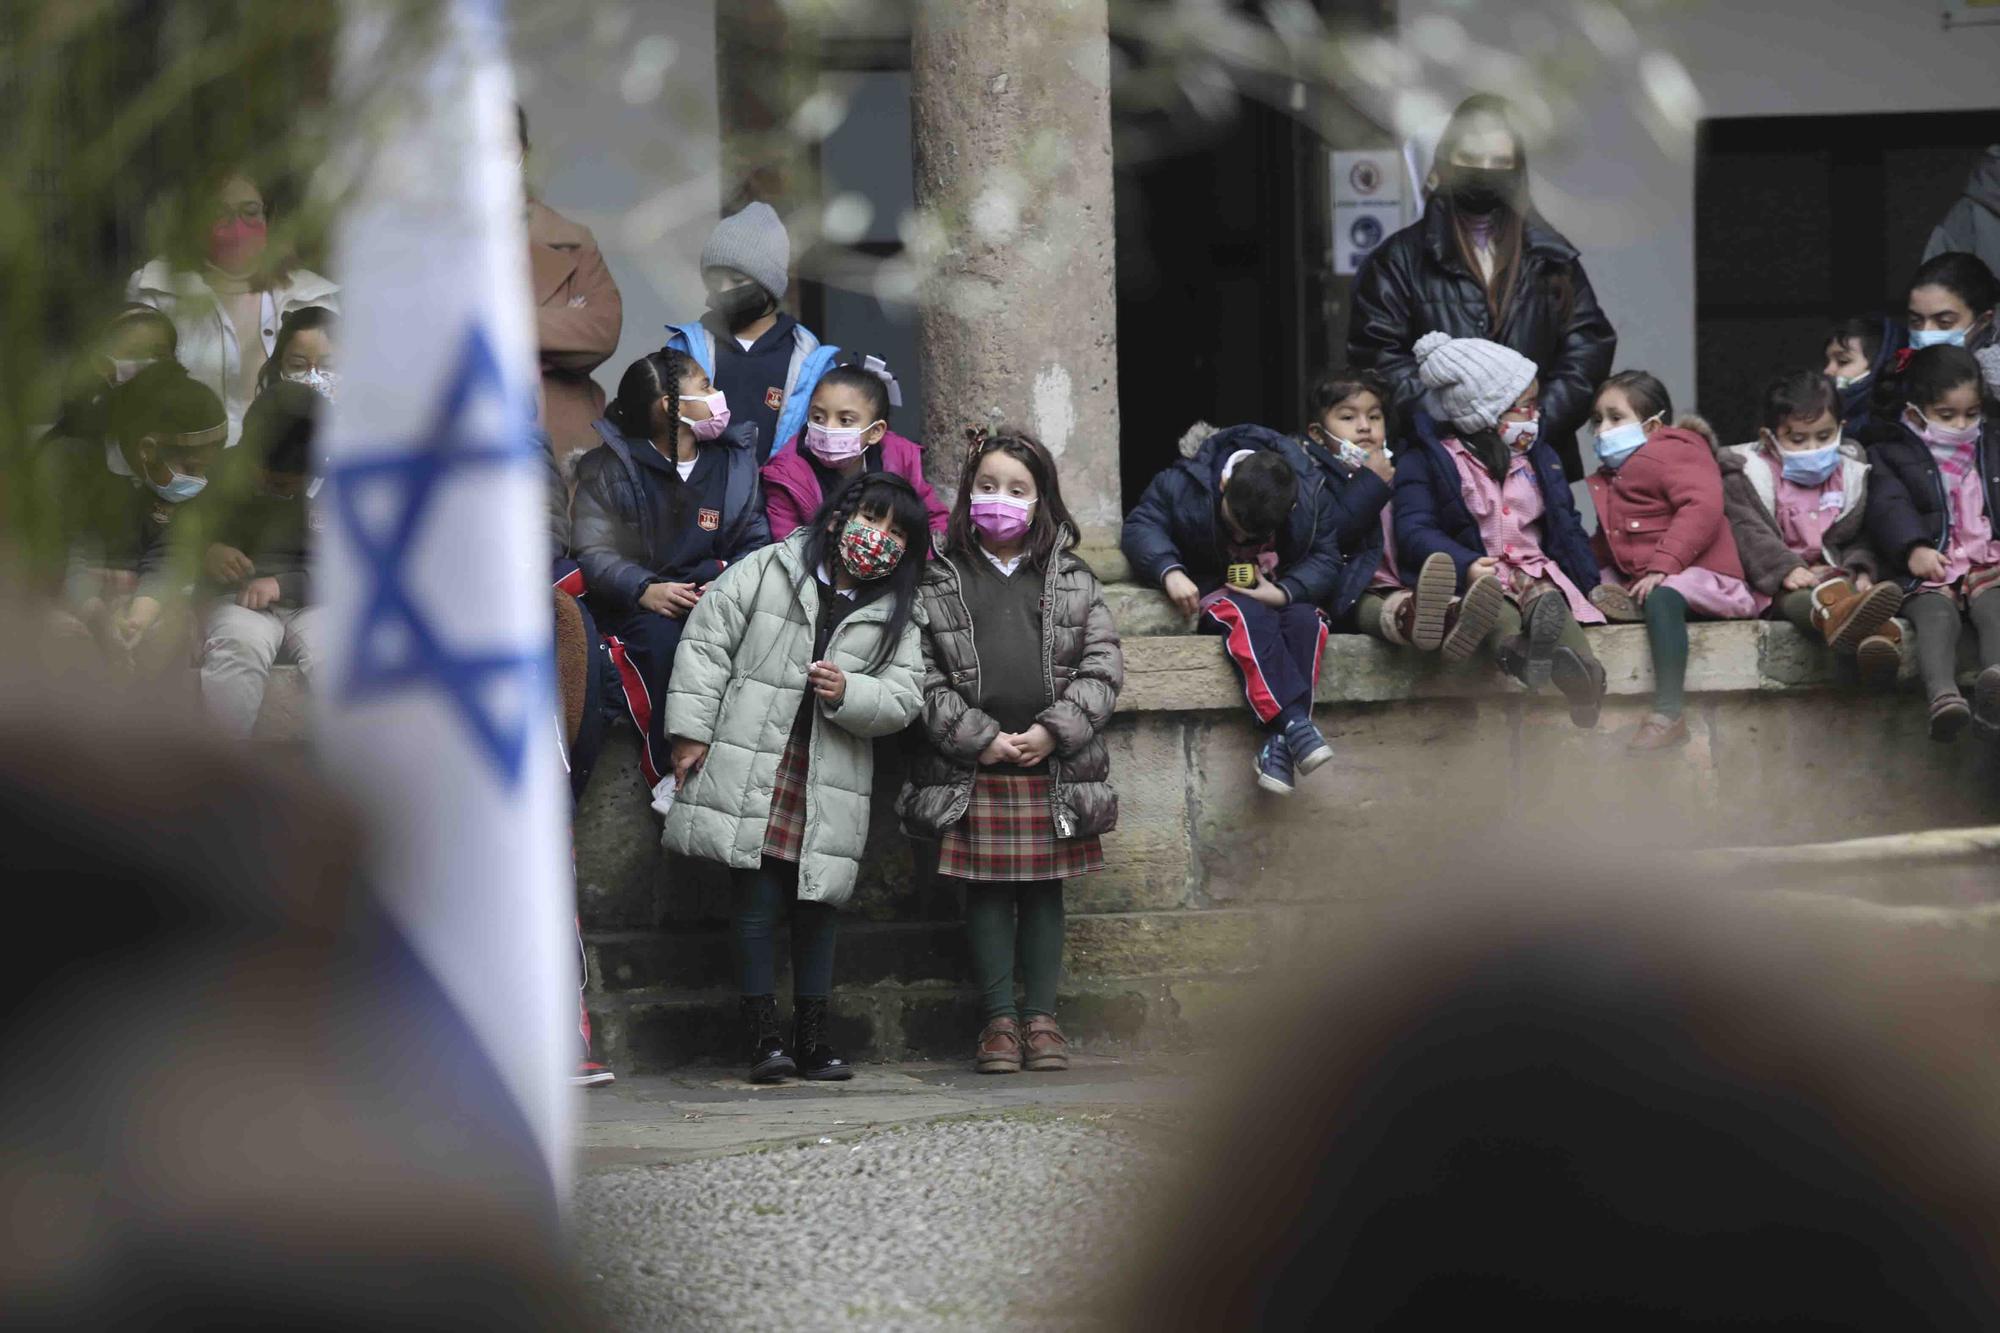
121, 116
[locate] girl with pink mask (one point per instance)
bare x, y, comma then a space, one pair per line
1932, 500
1021, 670
846, 434
228, 291
667, 503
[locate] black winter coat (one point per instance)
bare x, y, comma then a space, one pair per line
1084, 669
619, 525
1907, 507
1175, 524
1415, 284
1359, 497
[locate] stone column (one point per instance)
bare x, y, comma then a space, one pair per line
1011, 122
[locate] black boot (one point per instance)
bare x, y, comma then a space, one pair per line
817, 1060
769, 1061
1581, 680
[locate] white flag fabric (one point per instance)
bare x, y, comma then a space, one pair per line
434, 693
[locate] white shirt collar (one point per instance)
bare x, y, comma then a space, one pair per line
827, 579
1006, 567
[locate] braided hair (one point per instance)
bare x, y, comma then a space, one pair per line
636, 412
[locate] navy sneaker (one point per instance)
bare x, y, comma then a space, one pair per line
1308, 747
1274, 766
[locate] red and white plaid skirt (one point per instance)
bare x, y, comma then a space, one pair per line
786, 833
1008, 835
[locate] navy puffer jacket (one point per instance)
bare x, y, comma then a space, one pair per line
1359, 496
1432, 516
1906, 500
1175, 524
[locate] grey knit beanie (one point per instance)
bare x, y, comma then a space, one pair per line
753, 243
1470, 381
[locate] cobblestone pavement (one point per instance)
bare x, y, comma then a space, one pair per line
930, 1201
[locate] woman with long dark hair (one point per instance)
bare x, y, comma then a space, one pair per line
792, 664
1482, 263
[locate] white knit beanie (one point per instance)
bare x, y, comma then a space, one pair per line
753, 243
1470, 381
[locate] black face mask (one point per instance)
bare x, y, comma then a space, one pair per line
1482, 189
741, 306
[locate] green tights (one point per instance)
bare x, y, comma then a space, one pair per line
992, 912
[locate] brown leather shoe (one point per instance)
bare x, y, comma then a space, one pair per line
1430, 608
1470, 619
1845, 617
1880, 656
999, 1047
1658, 733
1048, 1049
1616, 604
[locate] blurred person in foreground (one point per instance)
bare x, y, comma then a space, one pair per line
236, 1100
226, 290
1654, 1108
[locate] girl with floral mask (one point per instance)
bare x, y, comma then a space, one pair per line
793, 664
1021, 670
1797, 500
846, 435
304, 353
1664, 548
1931, 507
661, 509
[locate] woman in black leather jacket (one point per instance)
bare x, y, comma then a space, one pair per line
1482, 263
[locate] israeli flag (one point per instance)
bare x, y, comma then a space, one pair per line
435, 699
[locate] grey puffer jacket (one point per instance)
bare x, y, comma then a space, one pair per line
1084, 669
739, 677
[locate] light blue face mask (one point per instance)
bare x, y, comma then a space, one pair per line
1922, 338
180, 490
1811, 467
1616, 445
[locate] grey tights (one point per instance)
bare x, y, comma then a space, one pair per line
1936, 619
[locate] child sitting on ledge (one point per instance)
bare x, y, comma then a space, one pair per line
1245, 535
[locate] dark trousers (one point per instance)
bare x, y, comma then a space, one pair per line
996, 916
1937, 620
642, 645
1275, 650
762, 896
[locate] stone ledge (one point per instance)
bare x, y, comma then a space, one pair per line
1187, 673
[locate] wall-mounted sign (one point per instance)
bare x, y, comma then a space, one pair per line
1367, 204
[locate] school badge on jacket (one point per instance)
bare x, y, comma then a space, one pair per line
709, 519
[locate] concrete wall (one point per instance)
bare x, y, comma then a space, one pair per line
1620, 181
622, 113
1212, 885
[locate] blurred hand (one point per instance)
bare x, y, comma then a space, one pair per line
1484, 567
828, 681
685, 757
1927, 564
1182, 593
1644, 587
1802, 577
1380, 464
226, 564
1269, 593
258, 594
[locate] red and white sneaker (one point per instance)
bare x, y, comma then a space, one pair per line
590, 1074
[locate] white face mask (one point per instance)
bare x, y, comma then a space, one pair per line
1519, 434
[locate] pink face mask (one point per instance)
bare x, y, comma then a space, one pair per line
236, 244
833, 445
1946, 437
717, 420
1001, 517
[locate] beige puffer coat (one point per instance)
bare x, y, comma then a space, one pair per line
739, 676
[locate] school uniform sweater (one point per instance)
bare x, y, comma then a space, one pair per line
1007, 635
754, 380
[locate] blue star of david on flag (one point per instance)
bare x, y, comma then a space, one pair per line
397, 646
